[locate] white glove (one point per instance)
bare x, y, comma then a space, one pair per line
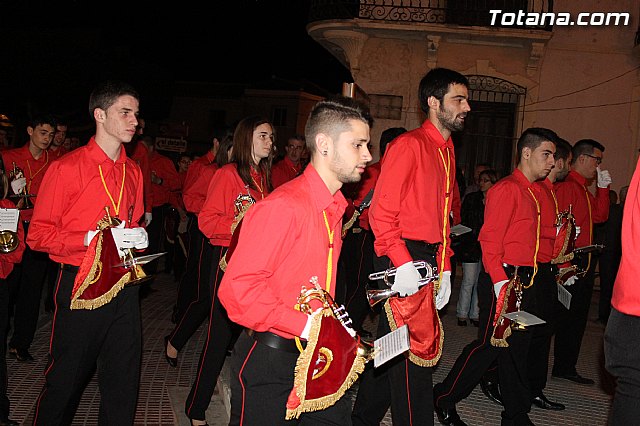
129, 238
89, 236
18, 185
604, 178
570, 281
577, 231
498, 286
444, 293
307, 328
406, 280
147, 218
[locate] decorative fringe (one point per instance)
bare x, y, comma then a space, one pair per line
420, 362
223, 262
302, 368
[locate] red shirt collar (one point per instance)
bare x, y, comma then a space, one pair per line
575, 176
322, 197
435, 135
96, 153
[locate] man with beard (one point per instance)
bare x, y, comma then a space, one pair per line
510, 238
587, 210
409, 216
290, 166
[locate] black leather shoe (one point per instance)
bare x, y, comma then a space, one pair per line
462, 322
475, 323
171, 361
576, 378
21, 355
448, 416
491, 390
541, 401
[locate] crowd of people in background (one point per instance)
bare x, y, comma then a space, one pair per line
191, 208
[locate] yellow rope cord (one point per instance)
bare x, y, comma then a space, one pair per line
535, 254
445, 221
586, 193
330, 256
116, 207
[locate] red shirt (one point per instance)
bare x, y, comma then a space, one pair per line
8, 260
163, 168
73, 199
196, 183
283, 243
33, 170
626, 291
283, 171
414, 194
55, 154
141, 156
508, 234
548, 215
218, 211
573, 191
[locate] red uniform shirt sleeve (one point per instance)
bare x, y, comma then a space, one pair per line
498, 214
218, 212
196, 185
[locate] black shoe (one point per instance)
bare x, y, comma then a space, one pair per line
173, 362
541, 401
491, 390
21, 355
475, 323
575, 377
8, 422
462, 322
448, 416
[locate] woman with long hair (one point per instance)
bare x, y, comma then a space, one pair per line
233, 189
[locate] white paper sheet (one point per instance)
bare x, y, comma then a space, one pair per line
9, 219
391, 345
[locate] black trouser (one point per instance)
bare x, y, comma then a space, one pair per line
221, 334
199, 307
399, 384
608, 262
356, 259
267, 380
32, 273
195, 283
4, 323
479, 355
573, 322
109, 338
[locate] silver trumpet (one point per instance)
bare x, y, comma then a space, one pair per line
376, 296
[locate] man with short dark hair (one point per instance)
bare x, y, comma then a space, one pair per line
509, 238
587, 209
290, 166
410, 218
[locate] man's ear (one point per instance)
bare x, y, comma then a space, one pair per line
433, 102
99, 114
526, 153
322, 143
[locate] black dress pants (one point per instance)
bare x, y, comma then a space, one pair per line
108, 338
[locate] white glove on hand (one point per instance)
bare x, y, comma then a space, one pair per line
129, 238
307, 328
570, 281
498, 286
406, 280
88, 237
577, 231
147, 218
444, 292
604, 178
18, 185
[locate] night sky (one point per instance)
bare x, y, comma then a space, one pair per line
54, 52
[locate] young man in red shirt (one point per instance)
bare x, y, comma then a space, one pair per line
510, 239
410, 215
290, 166
33, 160
73, 201
286, 239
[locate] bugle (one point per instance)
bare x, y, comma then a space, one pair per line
376, 296
25, 201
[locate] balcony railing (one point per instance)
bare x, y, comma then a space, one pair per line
456, 12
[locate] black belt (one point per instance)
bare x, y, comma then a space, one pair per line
70, 268
276, 342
